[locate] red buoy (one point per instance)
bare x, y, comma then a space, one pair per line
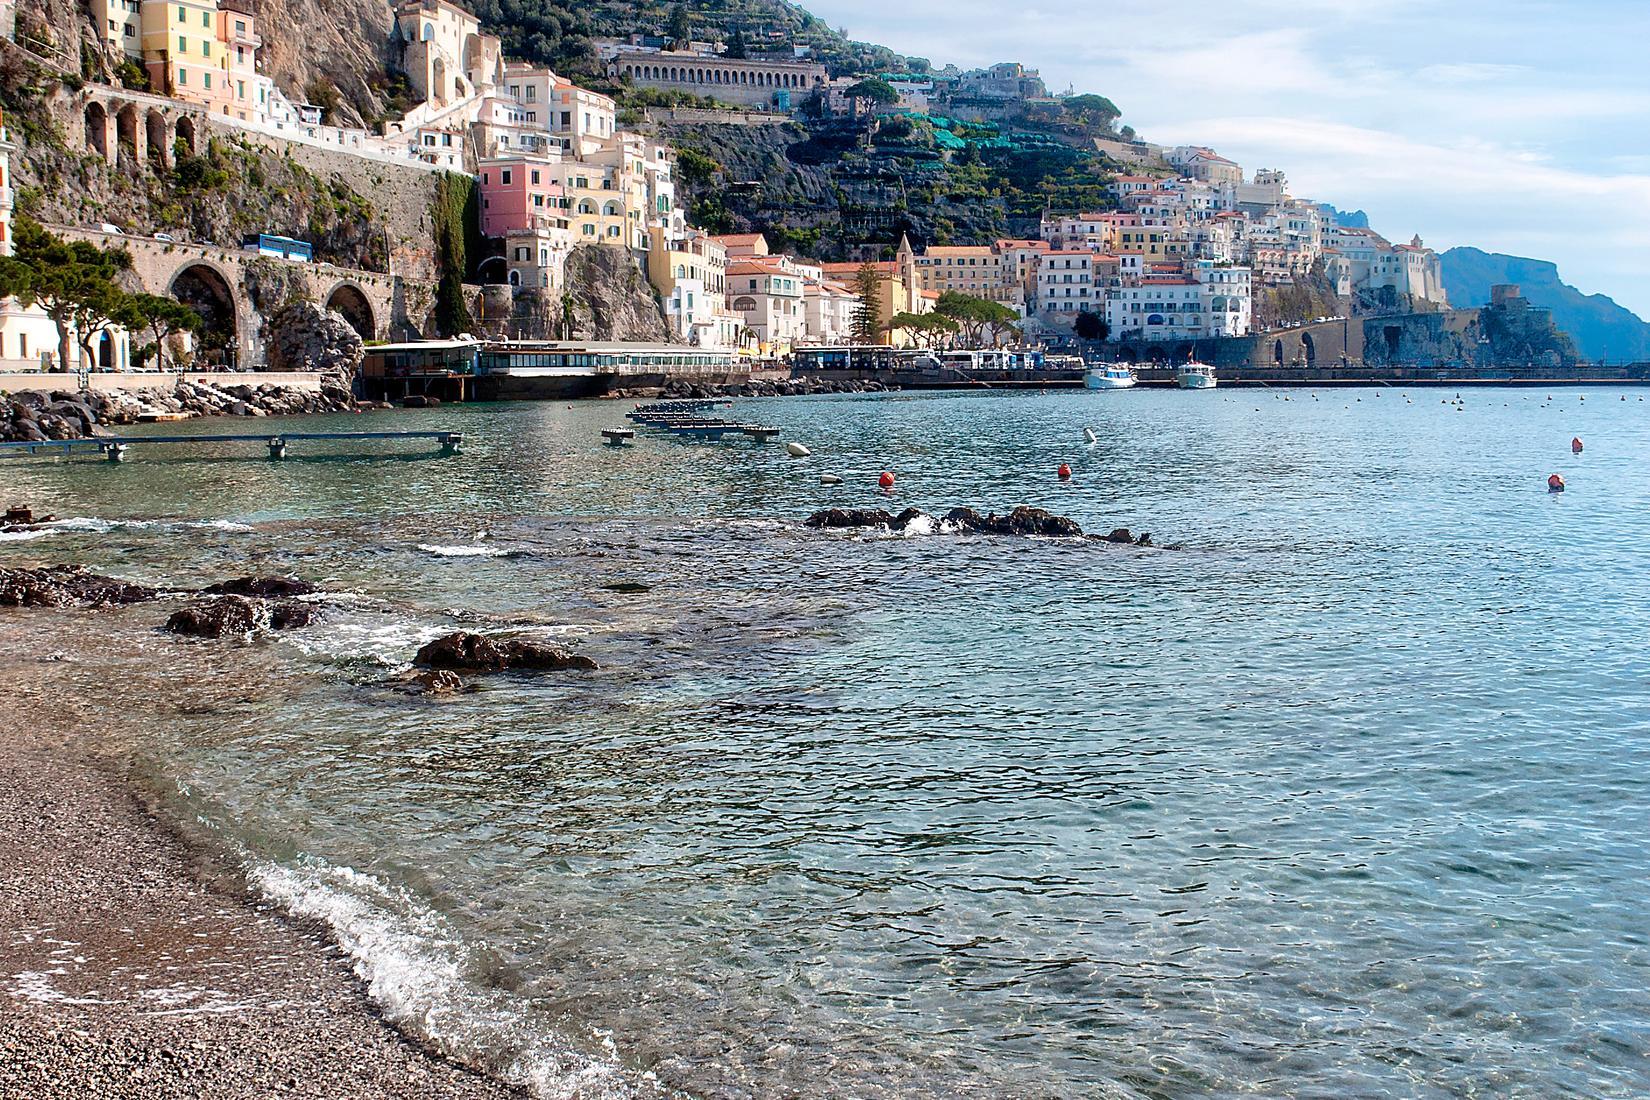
1555, 484
1064, 471
886, 480
1575, 445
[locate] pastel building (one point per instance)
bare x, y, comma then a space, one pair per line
183, 54
767, 295
518, 192
690, 275
447, 59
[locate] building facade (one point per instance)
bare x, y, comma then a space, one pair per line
742, 82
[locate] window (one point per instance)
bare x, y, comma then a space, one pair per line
183, 44
206, 20
535, 175
504, 177
206, 80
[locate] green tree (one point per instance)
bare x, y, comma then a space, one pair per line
1091, 327
736, 45
457, 227
923, 328
875, 89
974, 315
681, 31
73, 283
163, 318
868, 309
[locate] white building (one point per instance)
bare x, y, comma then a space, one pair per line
1214, 301
1066, 285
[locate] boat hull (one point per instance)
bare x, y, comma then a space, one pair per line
1096, 381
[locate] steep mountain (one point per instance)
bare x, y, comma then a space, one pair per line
1602, 330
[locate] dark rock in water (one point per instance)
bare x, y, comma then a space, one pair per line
278, 587
22, 517
844, 518
1143, 540
415, 401
291, 615
67, 586
629, 587
1122, 536
238, 615
903, 520
1021, 521
225, 615
466, 652
429, 681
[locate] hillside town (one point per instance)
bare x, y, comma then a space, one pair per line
1189, 243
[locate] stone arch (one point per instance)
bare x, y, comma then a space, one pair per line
493, 271
352, 304
1185, 353
610, 209
1157, 355
1127, 355
1309, 349
97, 129
154, 125
126, 133
204, 288
1394, 337
189, 136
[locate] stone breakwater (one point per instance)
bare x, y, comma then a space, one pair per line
1023, 521
761, 387
37, 417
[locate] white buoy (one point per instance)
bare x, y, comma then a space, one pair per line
1088, 435
797, 450
829, 479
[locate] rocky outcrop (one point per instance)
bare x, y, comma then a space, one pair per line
34, 417
238, 615
606, 297
305, 337
1022, 521
67, 586
261, 587
466, 652
428, 681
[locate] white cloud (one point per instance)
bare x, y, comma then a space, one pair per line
1498, 123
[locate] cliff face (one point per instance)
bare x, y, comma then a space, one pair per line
345, 43
608, 298
1601, 329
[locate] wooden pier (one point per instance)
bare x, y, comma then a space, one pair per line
114, 447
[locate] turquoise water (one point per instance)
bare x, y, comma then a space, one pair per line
1346, 797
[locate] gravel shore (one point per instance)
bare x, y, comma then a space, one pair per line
133, 965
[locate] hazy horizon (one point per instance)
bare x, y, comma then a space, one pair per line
1500, 126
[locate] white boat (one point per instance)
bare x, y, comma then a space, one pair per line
1195, 376
1113, 377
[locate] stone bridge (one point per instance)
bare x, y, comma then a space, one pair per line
133, 128
224, 284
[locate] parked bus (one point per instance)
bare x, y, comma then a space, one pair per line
282, 248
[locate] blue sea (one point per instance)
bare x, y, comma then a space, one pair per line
1347, 796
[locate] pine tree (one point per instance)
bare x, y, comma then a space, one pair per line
868, 311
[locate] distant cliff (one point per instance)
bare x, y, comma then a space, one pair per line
1601, 329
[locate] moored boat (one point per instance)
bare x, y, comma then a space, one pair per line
1193, 375
1109, 377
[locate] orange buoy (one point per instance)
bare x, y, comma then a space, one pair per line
1064, 471
1555, 483
886, 480
1575, 445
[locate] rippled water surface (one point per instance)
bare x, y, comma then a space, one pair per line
1346, 797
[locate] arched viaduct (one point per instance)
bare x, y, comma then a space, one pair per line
224, 284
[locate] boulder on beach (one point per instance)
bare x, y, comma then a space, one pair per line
238, 615
265, 587
462, 651
67, 586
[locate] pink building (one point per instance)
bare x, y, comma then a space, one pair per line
519, 193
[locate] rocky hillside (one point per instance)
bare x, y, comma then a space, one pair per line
1601, 329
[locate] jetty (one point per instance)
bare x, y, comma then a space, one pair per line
692, 420
114, 447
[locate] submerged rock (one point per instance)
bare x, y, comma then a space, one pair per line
847, 518
238, 615
465, 652
67, 586
1021, 521
261, 586
17, 516
429, 681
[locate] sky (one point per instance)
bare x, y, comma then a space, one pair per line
1517, 126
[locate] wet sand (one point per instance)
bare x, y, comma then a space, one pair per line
133, 964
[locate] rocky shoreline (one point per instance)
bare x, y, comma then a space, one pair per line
35, 416
804, 386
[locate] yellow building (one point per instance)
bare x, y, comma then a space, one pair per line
182, 52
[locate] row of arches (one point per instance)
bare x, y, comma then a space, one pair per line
206, 289
131, 136
676, 75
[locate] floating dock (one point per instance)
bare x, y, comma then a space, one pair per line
692, 420
114, 447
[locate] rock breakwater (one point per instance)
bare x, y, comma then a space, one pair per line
34, 416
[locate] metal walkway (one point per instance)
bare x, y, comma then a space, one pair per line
114, 447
